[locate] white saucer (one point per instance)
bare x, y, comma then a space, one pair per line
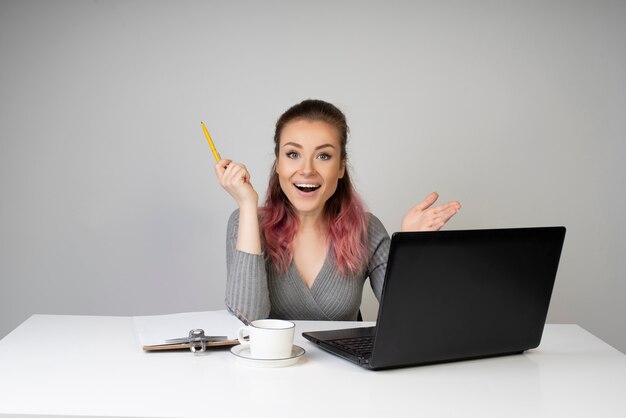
243, 356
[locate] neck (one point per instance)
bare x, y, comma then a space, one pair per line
310, 221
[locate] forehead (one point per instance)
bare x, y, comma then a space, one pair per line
309, 132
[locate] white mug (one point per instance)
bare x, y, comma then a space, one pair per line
269, 338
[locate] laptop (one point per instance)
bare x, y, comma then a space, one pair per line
456, 295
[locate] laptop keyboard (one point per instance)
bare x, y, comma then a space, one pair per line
361, 346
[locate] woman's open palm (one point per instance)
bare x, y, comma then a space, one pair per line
426, 217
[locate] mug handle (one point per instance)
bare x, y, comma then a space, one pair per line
241, 334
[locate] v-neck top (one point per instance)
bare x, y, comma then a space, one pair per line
255, 289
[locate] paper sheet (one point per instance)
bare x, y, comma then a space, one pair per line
155, 329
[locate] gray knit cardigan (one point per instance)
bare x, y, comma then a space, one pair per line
255, 289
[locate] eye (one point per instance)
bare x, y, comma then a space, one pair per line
292, 154
323, 156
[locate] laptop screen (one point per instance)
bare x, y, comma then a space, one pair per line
465, 294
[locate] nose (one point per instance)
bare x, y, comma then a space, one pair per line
307, 167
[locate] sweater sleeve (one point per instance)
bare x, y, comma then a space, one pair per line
379, 243
247, 294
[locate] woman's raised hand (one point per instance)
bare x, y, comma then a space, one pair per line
426, 217
235, 179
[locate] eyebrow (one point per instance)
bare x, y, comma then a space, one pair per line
293, 144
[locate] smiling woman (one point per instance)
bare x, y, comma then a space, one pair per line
307, 252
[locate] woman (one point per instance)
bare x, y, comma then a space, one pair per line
308, 251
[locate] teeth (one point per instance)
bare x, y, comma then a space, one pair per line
305, 187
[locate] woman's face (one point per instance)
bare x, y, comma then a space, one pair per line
309, 164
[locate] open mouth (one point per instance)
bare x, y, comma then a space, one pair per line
307, 188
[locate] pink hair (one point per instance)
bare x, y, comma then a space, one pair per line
344, 212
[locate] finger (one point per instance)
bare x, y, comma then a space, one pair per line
223, 163
236, 174
220, 167
229, 165
236, 170
437, 226
428, 202
441, 209
446, 216
229, 175
440, 220
452, 204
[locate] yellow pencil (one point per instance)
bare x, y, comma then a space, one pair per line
211, 144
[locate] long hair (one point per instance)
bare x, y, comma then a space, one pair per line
344, 211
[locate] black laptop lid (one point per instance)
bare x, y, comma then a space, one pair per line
452, 295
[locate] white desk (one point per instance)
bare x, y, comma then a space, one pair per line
94, 366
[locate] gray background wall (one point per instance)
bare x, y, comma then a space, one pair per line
109, 204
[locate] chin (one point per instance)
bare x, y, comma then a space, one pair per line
307, 209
